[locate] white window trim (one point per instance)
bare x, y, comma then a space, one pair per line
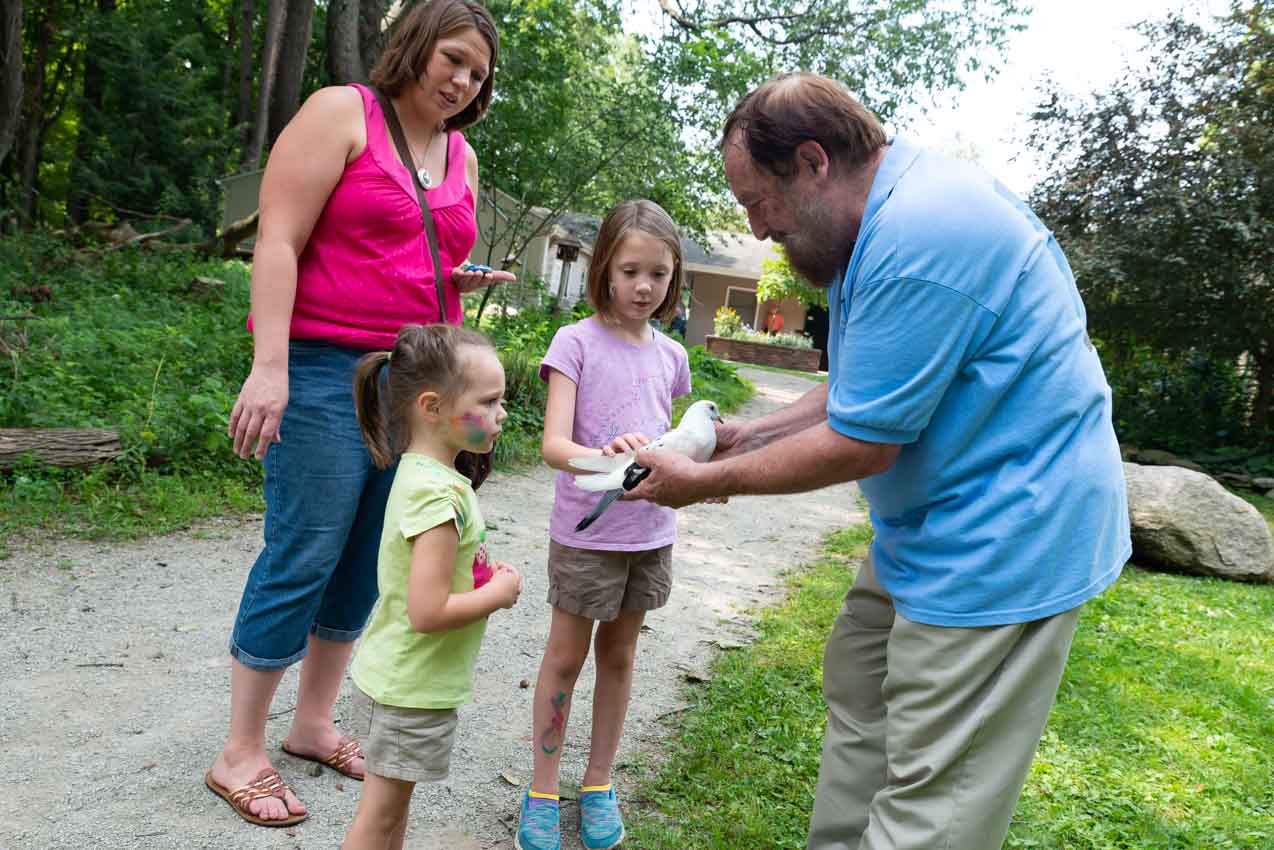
756, 313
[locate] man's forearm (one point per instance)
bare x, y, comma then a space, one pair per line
807, 411
807, 460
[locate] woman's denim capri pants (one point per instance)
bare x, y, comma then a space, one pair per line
324, 508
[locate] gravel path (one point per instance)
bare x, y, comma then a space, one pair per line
115, 688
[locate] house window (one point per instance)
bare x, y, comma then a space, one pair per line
743, 302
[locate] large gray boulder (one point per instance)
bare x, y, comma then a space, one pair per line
1186, 522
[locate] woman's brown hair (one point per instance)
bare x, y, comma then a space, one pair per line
639, 216
425, 357
412, 44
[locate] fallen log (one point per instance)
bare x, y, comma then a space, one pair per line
59, 446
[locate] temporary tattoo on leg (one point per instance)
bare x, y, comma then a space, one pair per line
552, 737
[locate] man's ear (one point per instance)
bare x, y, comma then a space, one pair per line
429, 405
812, 160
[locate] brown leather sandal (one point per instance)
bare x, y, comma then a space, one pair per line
267, 784
346, 751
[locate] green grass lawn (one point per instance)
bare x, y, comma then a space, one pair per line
1161, 737
1264, 504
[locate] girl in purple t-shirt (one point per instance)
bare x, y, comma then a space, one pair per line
612, 379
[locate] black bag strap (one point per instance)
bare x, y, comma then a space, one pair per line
426, 214
475, 467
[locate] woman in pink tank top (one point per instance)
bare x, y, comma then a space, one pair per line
341, 262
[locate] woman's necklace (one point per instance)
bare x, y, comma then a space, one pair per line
422, 173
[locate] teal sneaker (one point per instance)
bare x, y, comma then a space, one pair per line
601, 827
539, 825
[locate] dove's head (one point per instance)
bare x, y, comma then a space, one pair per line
705, 410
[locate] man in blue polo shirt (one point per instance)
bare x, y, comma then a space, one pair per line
965, 396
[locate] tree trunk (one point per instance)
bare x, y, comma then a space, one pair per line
1264, 392
31, 139
59, 446
371, 35
344, 61
276, 11
87, 135
297, 31
10, 73
243, 112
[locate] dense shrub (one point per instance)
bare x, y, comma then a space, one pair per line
1185, 403
119, 341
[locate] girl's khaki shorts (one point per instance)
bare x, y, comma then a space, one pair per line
411, 744
599, 584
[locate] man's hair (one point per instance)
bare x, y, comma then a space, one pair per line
772, 120
411, 46
639, 216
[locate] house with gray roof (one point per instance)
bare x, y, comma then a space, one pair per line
722, 273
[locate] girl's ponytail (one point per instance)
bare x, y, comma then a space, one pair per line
425, 357
371, 408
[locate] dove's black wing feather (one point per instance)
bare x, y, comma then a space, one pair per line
633, 476
605, 502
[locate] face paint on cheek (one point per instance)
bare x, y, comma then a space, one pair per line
475, 428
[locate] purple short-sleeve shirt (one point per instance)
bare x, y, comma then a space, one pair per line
619, 388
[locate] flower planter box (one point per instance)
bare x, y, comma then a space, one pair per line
763, 354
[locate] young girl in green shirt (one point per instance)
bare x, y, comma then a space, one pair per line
442, 394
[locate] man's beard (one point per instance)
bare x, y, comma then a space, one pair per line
816, 249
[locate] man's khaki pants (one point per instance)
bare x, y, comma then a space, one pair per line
930, 730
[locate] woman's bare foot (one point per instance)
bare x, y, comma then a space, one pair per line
233, 770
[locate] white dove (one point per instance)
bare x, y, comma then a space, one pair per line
695, 437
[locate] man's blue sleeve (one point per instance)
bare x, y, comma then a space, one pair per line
905, 341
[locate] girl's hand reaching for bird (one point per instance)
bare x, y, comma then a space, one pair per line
624, 443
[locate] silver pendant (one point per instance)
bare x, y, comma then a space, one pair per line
422, 174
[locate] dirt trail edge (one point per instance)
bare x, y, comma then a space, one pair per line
115, 693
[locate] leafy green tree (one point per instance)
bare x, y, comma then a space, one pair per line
49, 58
142, 104
1162, 194
778, 282
579, 122
890, 52
160, 132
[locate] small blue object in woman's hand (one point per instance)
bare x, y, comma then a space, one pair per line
475, 267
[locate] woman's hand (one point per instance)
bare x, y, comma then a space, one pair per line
624, 443
254, 422
470, 280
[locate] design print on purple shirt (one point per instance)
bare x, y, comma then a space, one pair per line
620, 388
